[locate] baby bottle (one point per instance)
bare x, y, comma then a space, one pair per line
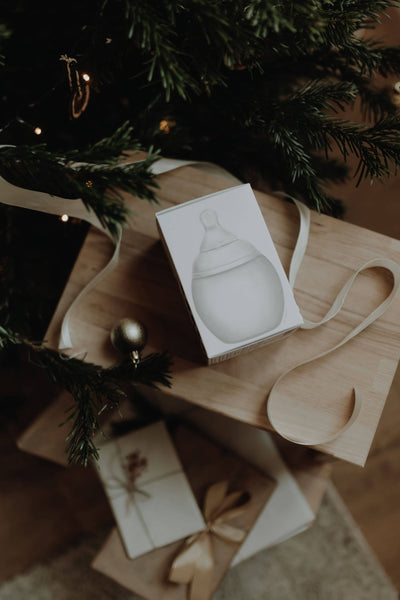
236, 289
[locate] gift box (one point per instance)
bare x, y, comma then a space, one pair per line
229, 271
287, 512
149, 493
208, 467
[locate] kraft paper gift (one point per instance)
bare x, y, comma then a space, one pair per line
205, 464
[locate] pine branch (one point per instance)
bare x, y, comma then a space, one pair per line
389, 60
320, 95
96, 181
376, 147
93, 388
152, 28
268, 17
376, 104
109, 150
289, 126
292, 150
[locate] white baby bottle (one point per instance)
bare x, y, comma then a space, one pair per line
236, 289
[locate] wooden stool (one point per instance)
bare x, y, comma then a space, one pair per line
143, 286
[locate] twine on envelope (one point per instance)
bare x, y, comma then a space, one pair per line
133, 466
194, 563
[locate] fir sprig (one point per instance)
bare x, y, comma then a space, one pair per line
94, 174
152, 28
94, 389
376, 147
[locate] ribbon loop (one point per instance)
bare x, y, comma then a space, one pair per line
273, 400
214, 499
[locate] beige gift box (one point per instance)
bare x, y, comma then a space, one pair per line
205, 463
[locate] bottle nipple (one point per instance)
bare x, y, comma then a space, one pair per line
215, 235
209, 219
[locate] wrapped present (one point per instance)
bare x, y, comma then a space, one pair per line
193, 568
150, 496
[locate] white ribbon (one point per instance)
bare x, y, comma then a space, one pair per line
297, 258
65, 341
13, 195
40, 201
273, 399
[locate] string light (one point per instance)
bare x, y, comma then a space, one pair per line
85, 77
38, 130
64, 218
166, 124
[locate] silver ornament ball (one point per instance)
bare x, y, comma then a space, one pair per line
129, 335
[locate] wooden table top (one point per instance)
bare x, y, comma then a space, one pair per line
319, 395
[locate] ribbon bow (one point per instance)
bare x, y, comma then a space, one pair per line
195, 561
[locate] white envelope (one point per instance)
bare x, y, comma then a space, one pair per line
155, 505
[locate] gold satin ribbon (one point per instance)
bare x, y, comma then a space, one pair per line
194, 564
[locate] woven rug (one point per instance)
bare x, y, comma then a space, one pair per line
330, 561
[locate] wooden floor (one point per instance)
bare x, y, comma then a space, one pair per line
43, 507
373, 494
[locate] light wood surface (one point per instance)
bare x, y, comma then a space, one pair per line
318, 396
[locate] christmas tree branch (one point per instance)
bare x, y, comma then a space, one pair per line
94, 175
152, 28
376, 147
93, 388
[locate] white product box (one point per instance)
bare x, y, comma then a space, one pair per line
149, 493
232, 279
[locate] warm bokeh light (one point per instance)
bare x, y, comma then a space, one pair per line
64, 218
86, 77
37, 130
164, 126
